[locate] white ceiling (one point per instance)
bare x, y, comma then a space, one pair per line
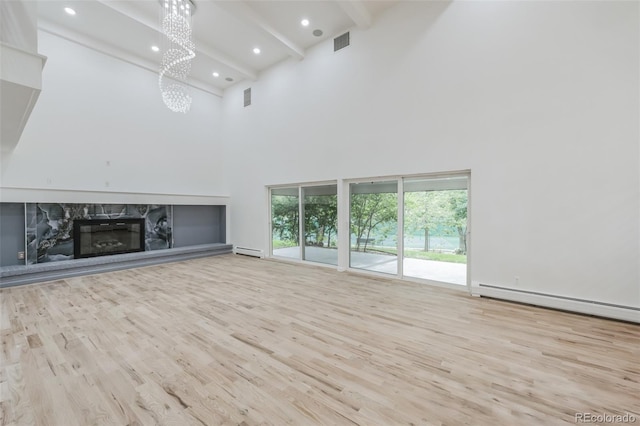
225, 32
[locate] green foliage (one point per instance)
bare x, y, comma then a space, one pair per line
374, 217
442, 212
430, 255
321, 220
285, 217
278, 244
427, 255
373, 214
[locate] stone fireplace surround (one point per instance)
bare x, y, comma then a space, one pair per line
50, 226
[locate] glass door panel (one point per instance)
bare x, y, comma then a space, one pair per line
435, 229
374, 226
285, 222
320, 210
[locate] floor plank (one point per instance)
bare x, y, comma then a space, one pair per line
231, 340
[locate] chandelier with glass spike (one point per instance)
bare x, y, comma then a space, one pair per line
178, 52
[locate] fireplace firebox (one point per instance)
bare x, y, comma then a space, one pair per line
102, 237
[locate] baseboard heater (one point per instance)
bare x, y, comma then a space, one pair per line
589, 307
249, 251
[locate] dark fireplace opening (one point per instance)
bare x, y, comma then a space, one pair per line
102, 237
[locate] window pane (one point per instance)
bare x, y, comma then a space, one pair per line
374, 226
321, 224
285, 224
435, 229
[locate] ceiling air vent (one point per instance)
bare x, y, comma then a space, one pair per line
247, 97
340, 42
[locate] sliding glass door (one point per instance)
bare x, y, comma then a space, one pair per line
414, 227
320, 225
285, 222
374, 226
435, 229
315, 237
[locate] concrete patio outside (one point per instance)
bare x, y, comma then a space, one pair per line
448, 272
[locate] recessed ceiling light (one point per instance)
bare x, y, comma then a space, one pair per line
304, 22
155, 48
317, 33
229, 79
69, 11
256, 50
215, 74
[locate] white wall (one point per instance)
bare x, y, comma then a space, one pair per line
18, 24
95, 109
539, 99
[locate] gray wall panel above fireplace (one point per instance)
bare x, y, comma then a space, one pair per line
12, 233
194, 225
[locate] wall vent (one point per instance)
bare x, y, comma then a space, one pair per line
247, 97
341, 42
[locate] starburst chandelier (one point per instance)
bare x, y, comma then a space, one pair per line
179, 50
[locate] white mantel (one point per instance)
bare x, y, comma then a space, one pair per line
42, 195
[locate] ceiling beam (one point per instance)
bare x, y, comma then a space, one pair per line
117, 53
127, 10
357, 12
245, 71
245, 13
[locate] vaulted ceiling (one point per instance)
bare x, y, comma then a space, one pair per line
225, 32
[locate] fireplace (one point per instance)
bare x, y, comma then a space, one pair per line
101, 237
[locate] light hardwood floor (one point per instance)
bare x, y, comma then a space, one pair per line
239, 341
